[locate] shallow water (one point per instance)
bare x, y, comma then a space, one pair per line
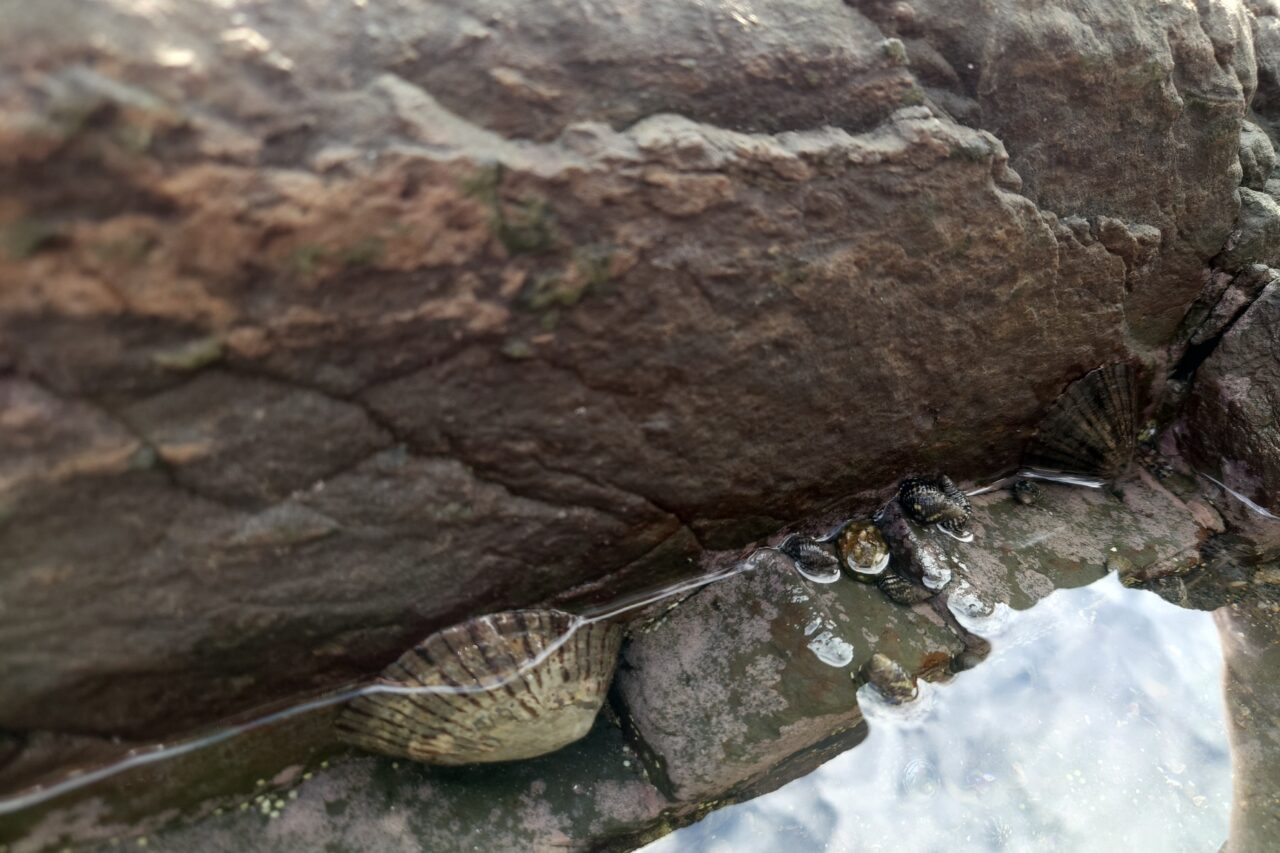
1096, 724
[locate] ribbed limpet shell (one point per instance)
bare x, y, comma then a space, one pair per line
502, 687
1092, 427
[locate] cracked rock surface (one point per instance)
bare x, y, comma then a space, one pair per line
324, 325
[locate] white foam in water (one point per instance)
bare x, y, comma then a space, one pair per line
830, 577
1095, 725
977, 616
876, 709
831, 650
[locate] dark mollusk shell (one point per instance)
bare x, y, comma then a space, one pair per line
1091, 428
936, 500
483, 706
810, 555
1026, 492
893, 682
903, 590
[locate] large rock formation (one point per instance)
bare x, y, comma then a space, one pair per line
1232, 423
325, 324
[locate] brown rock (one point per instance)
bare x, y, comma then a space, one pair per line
1232, 424
619, 284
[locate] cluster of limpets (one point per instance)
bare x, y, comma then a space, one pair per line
523, 683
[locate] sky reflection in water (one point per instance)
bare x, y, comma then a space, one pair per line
1096, 724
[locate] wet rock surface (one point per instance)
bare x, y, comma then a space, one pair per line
744, 674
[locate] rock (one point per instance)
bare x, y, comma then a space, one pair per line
610, 294
47, 440
590, 796
722, 697
1257, 156
916, 552
1231, 427
1256, 239
1266, 40
736, 682
218, 433
1187, 125
1239, 295
1065, 540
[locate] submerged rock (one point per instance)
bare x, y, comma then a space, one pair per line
736, 651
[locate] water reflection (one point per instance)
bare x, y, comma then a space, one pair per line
1097, 723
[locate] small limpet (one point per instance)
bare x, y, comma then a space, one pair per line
894, 683
812, 559
901, 590
1026, 492
937, 500
863, 549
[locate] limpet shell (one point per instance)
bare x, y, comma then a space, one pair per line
1026, 492
1091, 428
813, 560
937, 500
902, 590
895, 684
501, 687
863, 549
